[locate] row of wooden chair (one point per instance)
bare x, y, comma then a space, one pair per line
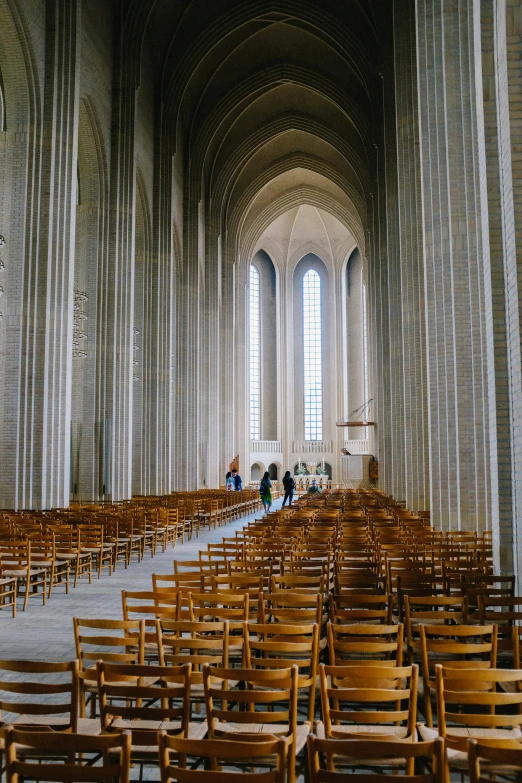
43, 550
360, 702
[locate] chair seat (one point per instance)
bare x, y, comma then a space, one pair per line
90, 726
89, 678
275, 729
196, 731
358, 731
458, 759
22, 572
53, 721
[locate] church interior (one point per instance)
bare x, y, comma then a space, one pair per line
260, 316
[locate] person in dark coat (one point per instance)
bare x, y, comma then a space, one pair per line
238, 481
289, 486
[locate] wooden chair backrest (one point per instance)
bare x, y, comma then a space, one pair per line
114, 641
220, 606
258, 688
41, 689
357, 608
144, 693
383, 696
364, 642
68, 752
217, 753
458, 643
356, 752
197, 643
503, 755
485, 699
289, 607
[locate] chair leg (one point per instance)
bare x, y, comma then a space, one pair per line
427, 706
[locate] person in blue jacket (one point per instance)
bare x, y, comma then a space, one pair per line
238, 481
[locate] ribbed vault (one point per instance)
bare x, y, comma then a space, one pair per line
254, 91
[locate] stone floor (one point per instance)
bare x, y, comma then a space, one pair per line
46, 632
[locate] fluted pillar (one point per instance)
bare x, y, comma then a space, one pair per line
118, 292
453, 251
46, 330
413, 335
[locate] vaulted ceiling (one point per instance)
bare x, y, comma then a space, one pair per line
276, 103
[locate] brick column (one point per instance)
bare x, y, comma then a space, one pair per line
413, 337
454, 273
54, 281
118, 292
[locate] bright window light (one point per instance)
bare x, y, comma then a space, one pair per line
313, 377
255, 359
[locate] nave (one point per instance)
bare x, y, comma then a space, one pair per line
344, 631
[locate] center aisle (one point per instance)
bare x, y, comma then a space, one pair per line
46, 632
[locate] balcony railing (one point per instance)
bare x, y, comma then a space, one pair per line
312, 447
357, 446
265, 446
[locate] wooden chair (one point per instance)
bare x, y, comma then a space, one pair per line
8, 591
276, 646
169, 518
430, 610
150, 606
119, 530
251, 756
68, 547
291, 608
197, 643
251, 584
209, 514
75, 757
486, 761
44, 557
345, 754
416, 585
505, 612
15, 556
460, 646
232, 607
359, 643
147, 533
40, 694
369, 701
145, 700
114, 641
266, 703
482, 704
92, 537
128, 533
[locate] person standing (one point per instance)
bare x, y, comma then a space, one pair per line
238, 481
231, 484
265, 491
289, 486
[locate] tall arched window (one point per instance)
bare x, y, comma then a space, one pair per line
365, 343
255, 358
313, 380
